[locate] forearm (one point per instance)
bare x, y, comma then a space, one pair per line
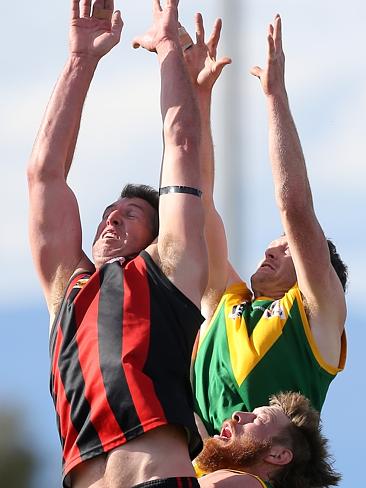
291, 183
207, 156
181, 120
214, 228
55, 143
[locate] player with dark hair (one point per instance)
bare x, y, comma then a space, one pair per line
288, 333
123, 326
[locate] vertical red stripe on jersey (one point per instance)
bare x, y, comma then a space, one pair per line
63, 406
135, 343
101, 416
179, 483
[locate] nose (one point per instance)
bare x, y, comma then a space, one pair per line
114, 218
271, 253
243, 418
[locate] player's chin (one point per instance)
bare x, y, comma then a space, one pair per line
108, 249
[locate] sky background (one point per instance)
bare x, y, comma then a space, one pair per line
120, 141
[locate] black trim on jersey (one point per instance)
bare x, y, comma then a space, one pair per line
110, 329
74, 384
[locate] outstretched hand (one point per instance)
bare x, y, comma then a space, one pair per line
164, 28
95, 29
272, 77
203, 67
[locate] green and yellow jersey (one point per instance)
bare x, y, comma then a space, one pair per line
252, 350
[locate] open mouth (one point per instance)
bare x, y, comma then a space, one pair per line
226, 433
110, 235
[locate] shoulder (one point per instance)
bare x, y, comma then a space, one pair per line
229, 479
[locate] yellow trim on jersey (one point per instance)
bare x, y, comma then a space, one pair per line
200, 473
241, 291
314, 347
254, 347
266, 332
248, 474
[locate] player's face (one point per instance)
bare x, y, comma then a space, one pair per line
262, 424
125, 230
245, 440
276, 273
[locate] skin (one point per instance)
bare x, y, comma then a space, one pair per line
55, 228
316, 277
276, 273
301, 256
263, 423
54, 224
125, 229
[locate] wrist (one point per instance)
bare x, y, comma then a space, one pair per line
166, 46
84, 60
278, 96
204, 95
204, 103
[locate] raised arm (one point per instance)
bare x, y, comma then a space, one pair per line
204, 70
55, 230
316, 276
181, 246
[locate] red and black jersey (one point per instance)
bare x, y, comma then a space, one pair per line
120, 357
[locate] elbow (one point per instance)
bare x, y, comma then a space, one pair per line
40, 170
294, 200
33, 171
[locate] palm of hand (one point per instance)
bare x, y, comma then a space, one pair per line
91, 37
201, 66
165, 27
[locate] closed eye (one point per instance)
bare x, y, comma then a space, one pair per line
107, 211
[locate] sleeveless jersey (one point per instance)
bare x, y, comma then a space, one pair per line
120, 351
252, 350
264, 484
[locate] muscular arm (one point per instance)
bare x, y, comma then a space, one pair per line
204, 70
316, 276
55, 230
181, 245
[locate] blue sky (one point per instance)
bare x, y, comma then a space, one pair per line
120, 140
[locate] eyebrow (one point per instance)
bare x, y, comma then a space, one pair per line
135, 205
266, 412
129, 204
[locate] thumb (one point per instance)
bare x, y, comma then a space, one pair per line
220, 65
256, 71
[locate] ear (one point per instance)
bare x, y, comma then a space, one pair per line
279, 455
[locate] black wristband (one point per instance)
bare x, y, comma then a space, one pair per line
180, 189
